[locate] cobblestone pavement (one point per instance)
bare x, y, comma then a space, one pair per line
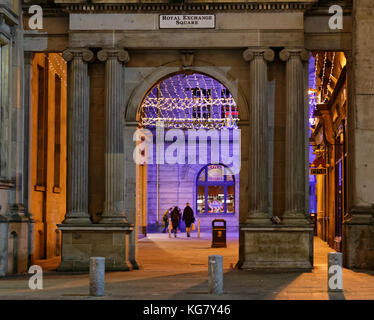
177, 269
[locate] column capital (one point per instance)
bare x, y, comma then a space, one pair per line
71, 53
286, 53
266, 53
113, 53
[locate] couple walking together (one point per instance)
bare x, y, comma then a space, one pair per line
187, 217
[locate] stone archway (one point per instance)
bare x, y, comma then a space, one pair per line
131, 114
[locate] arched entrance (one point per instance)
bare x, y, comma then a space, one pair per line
189, 125
186, 118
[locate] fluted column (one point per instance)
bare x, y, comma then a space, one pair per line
114, 148
78, 135
295, 162
258, 148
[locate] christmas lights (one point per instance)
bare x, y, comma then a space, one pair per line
190, 101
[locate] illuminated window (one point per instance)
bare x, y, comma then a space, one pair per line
215, 191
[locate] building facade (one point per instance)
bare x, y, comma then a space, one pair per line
329, 139
97, 62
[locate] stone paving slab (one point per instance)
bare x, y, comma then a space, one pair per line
177, 269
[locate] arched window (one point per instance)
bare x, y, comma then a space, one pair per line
215, 191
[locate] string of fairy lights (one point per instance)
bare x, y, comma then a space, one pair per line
330, 77
190, 101
57, 68
323, 97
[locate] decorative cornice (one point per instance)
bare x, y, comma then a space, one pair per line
189, 7
86, 54
8, 16
266, 53
121, 55
286, 53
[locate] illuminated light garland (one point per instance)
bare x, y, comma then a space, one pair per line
174, 103
51, 63
326, 96
313, 93
330, 78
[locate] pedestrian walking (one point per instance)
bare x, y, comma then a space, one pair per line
175, 219
188, 218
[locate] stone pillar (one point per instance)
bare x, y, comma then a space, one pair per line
97, 276
295, 162
258, 148
78, 135
358, 236
131, 195
114, 144
215, 274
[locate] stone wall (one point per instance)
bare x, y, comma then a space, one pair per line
358, 243
14, 245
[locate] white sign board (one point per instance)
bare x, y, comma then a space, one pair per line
187, 21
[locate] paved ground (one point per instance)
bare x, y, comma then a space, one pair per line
177, 269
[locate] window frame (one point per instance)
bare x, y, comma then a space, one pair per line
206, 183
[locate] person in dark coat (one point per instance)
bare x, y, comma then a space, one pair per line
188, 218
175, 219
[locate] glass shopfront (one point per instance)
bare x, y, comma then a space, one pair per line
215, 191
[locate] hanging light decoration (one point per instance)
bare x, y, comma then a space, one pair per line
190, 101
313, 92
325, 97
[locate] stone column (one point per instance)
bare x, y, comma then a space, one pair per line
131, 205
258, 148
78, 135
114, 150
295, 162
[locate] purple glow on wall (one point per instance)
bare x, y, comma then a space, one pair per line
312, 107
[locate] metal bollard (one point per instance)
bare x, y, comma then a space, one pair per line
198, 228
97, 276
169, 228
335, 272
215, 277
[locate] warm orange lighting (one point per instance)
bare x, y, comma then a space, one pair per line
312, 91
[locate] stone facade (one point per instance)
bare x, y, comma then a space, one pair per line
48, 151
15, 222
257, 50
358, 243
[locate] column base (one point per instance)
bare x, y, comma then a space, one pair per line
77, 218
80, 242
276, 247
113, 218
258, 218
296, 219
